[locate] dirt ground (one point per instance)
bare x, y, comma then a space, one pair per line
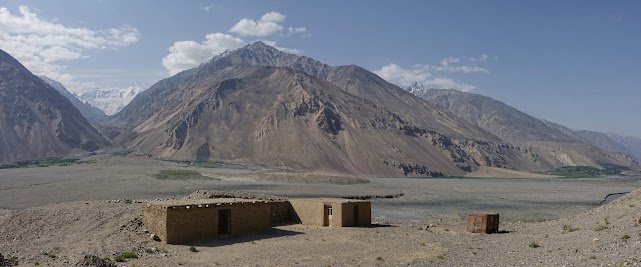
60, 234
424, 227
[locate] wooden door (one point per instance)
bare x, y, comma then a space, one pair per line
224, 222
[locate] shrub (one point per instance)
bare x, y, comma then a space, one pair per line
600, 227
193, 249
8, 261
625, 237
149, 250
533, 244
568, 228
126, 255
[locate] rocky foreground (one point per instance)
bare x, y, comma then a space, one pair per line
85, 233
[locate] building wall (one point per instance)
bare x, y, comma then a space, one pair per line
364, 214
155, 220
280, 212
250, 218
179, 225
308, 212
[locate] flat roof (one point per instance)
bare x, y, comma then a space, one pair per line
329, 200
207, 201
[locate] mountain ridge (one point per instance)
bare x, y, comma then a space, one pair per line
36, 120
554, 142
314, 113
91, 113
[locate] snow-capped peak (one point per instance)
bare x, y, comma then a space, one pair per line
111, 101
415, 88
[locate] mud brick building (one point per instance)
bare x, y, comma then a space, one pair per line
181, 221
332, 212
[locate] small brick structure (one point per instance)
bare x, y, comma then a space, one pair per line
483, 222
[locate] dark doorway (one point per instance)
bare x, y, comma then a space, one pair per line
355, 215
224, 222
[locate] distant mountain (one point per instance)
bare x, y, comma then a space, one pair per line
111, 101
554, 143
36, 120
260, 105
93, 114
602, 141
632, 144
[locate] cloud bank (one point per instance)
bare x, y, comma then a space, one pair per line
44, 46
432, 76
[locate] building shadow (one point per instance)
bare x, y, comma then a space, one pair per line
381, 225
225, 240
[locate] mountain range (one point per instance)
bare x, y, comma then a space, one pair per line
553, 142
259, 105
36, 120
91, 113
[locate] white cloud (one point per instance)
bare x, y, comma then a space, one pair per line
403, 77
284, 49
188, 54
43, 46
207, 8
447, 83
431, 76
268, 24
294, 30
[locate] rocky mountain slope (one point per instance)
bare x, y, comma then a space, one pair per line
260, 105
91, 113
111, 101
602, 141
36, 120
632, 144
553, 143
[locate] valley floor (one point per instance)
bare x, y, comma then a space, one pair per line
424, 227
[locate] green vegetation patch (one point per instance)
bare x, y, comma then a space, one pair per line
533, 244
569, 228
125, 255
600, 227
583, 172
208, 164
46, 162
179, 175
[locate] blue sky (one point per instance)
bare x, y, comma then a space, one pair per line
573, 62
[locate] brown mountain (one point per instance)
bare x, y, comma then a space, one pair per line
36, 120
557, 145
260, 105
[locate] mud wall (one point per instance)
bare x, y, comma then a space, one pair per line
280, 213
155, 220
308, 212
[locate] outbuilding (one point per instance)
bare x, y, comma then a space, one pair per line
181, 221
332, 212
